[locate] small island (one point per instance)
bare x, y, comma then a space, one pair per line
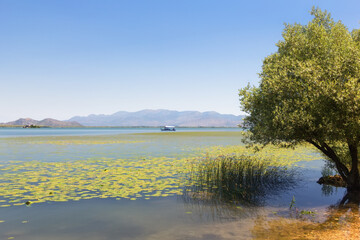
31, 126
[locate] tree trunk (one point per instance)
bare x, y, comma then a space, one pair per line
329, 152
352, 177
353, 180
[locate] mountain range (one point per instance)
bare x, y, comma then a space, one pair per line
149, 118
161, 117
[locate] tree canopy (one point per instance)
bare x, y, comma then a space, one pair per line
310, 92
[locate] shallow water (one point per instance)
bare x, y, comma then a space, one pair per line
129, 186
22, 132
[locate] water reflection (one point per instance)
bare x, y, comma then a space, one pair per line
228, 187
327, 190
329, 181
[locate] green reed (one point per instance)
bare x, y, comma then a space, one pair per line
238, 179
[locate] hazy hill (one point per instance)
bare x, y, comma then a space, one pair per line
161, 118
49, 122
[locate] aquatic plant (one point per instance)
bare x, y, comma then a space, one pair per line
294, 212
243, 180
36, 182
287, 157
132, 166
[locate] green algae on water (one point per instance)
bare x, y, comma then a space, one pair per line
163, 174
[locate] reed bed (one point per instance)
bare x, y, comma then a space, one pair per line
238, 179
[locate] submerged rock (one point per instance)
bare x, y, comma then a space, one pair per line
335, 181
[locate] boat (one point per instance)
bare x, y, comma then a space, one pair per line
168, 128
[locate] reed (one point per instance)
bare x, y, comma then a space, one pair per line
238, 179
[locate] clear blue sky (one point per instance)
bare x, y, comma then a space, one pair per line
62, 58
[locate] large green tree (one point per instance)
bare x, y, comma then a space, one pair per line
310, 92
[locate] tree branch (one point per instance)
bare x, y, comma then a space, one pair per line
329, 152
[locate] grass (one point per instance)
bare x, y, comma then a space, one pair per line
244, 180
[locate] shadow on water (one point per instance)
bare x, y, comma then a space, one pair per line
233, 187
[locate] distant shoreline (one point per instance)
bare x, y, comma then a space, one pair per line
21, 126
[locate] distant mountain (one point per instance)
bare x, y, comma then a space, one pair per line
161, 118
48, 122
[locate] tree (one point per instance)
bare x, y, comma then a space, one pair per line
310, 92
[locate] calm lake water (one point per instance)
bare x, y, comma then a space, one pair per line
127, 183
20, 132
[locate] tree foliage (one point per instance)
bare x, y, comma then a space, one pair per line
310, 92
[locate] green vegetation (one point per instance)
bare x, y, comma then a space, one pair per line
84, 142
279, 156
31, 126
130, 175
35, 182
310, 92
243, 180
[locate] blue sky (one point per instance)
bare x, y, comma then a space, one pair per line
63, 58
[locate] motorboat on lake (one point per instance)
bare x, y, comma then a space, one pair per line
168, 128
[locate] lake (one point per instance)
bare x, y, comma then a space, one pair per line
130, 183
